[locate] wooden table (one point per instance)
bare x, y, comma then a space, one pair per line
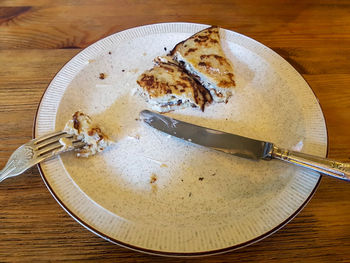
38, 37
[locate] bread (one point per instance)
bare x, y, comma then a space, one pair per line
203, 57
168, 87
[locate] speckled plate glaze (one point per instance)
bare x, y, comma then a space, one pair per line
202, 201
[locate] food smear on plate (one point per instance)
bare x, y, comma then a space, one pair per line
195, 73
81, 126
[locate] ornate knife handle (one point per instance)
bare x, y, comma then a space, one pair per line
322, 165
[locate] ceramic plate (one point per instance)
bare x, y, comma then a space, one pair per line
202, 201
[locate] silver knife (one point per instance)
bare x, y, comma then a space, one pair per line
243, 146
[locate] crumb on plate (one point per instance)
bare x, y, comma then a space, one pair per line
153, 178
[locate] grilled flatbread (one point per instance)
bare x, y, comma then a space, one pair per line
168, 87
203, 57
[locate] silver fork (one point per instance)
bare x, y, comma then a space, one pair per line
37, 150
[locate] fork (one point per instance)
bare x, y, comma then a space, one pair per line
37, 150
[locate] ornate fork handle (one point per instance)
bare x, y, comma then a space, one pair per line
37, 150
20, 160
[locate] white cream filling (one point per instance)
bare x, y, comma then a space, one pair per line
213, 89
160, 103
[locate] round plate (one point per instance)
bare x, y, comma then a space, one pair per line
203, 201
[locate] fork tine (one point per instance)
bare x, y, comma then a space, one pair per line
57, 145
48, 136
78, 144
51, 140
51, 147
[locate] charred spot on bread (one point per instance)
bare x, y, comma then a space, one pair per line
191, 50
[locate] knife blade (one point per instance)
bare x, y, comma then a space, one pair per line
243, 146
217, 140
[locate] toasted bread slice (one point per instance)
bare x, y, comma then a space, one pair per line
202, 56
168, 87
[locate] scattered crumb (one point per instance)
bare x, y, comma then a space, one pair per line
164, 48
190, 194
226, 119
200, 178
182, 180
153, 178
92, 60
152, 181
163, 165
137, 119
213, 174
123, 70
144, 53
190, 140
110, 52
103, 75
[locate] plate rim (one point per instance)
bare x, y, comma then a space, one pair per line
178, 254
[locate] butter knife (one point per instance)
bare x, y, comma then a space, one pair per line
243, 146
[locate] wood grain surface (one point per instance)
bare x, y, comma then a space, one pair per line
38, 37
